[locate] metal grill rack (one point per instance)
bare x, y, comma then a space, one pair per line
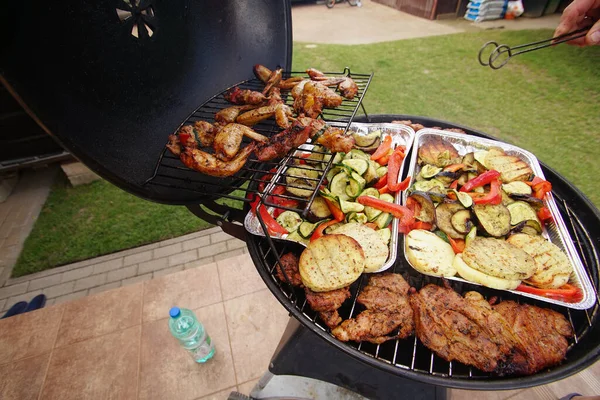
171, 173
409, 355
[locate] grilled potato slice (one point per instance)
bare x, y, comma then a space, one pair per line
553, 267
374, 247
331, 262
511, 168
499, 258
429, 254
472, 275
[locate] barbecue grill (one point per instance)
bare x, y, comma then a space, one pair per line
119, 76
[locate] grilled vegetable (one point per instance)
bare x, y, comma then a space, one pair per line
499, 258
511, 168
331, 262
493, 218
423, 208
529, 227
338, 184
289, 220
301, 180
443, 217
534, 202
368, 140
431, 185
375, 249
295, 236
429, 254
358, 165
349, 206
319, 209
384, 220
428, 171
371, 174
521, 211
438, 152
306, 229
517, 187
386, 235
553, 266
359, 217
473, 275
461, 221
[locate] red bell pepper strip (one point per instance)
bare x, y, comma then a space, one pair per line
544, 215
454, 184
384, 190
422, 225
381, 182
265, 179
494, 196
393, 172
567, 292
384, 160
272, 226
480, 180
321, 228
540, 189
454, 167
338, 215
406, 216
383, 149
458, 245
183, 138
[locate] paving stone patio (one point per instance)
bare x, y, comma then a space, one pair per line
127, 267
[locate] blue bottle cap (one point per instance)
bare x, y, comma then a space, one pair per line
174, 312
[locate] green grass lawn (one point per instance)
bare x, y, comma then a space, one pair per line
547, 102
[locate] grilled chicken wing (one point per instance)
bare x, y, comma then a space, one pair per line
289, 83
245, 96
229, 114
346, 85
386, 300
229, 138
314, 97
336, 141
279, 110
210, 165
273, 81
261, 72
201, 132
348, 88
297, 134
298, 88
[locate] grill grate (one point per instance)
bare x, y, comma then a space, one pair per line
171, 173
410, 354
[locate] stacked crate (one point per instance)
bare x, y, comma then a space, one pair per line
484, 10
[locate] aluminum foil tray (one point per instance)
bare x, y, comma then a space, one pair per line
401, 135
555, 231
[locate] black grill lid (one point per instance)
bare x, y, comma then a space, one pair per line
112, 98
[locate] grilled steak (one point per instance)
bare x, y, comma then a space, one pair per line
542, 331
386, 299
289, 264
465, 329
327, 304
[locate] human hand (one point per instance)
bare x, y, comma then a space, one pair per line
574, 17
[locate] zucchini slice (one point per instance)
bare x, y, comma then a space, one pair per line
521, 211
429, 171
387, 197
300, 181
289, 220
372, 213
338, 184
381, 171
370, 192
333, 227
306, 228
384, 220
349, 206
295, 236
516, 187
357, 164
371, 174
356, 217
355, 153
493, 218
386, 234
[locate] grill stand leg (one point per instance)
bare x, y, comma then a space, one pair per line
300, 352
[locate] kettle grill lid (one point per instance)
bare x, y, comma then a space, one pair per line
111, 79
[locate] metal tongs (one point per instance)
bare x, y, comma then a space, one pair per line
502, 53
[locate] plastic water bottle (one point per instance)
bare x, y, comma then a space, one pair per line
191, 334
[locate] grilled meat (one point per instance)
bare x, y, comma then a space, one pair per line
336, 141
228, 139
189, 136
273, 81
386, 300
289, 83
348, 88
205, 132
210, 165
346, 85
543, 333
416, 127
230, 114
279, 110
279, 144
314, 97
465, 329
289, 265
261, 72
327, 304
239, 96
